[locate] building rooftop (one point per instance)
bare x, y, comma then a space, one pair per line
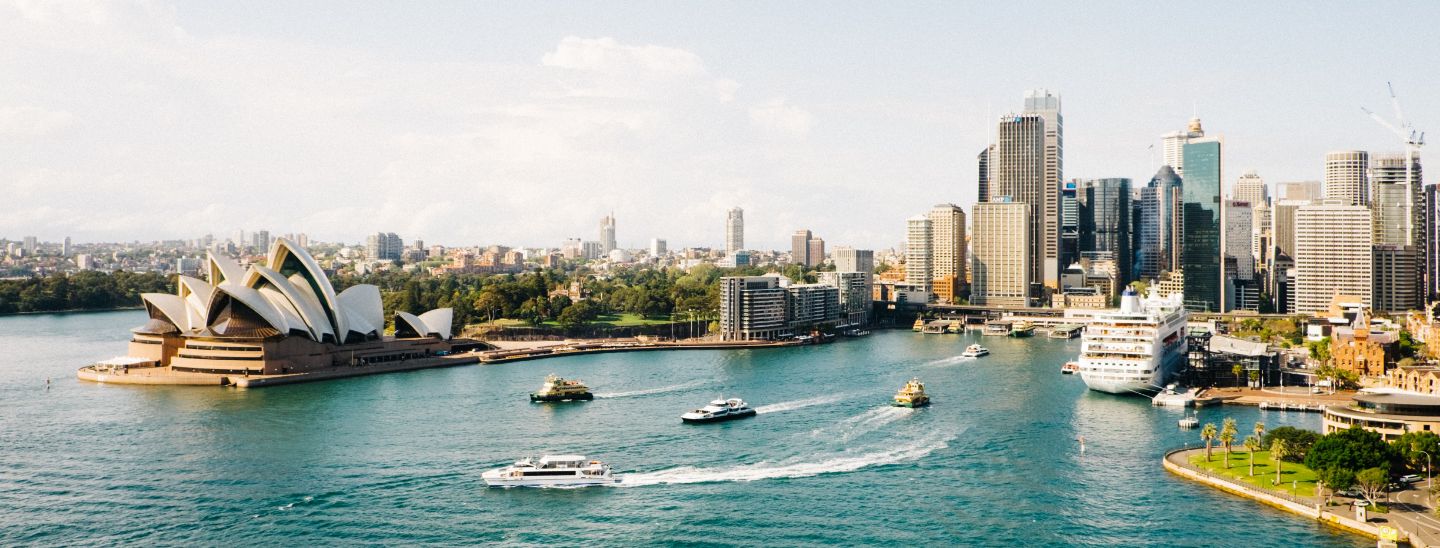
1233, 345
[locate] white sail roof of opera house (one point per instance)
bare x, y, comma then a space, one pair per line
287, 294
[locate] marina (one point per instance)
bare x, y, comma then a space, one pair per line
366, 455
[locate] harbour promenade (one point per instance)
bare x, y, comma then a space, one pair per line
510, 351
169, 376
1404, 522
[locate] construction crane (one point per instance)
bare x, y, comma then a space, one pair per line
1412, 139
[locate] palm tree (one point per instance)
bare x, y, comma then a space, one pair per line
1227, 437
1237, 370
1208, 434
1278, 450
1260, 431
1252, 444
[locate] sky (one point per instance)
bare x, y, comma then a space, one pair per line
523, 123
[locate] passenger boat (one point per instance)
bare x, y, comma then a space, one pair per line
1190, 421
559, 389
975, 351
1138, 348
919, 323
1070, 368
720, 410
552, 471
912, 395
1022, 328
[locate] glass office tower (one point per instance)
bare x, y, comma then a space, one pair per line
1201, 252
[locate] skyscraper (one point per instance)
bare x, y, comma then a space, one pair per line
657, 247
1000, 266
849, 259
919, 255
1047, 105
986, 173
1398, 211
65, 248
947, 248
1299, 190
1104, 228
1346, 177
1019, 168
815, 254
1159, 225
1070, 223
734, 230
806, 249
1250, 188
384, 246
607, 234
1241, 290
1172, 145
1432, 241
1201, 255
1332, 255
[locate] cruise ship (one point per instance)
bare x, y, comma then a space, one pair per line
1136, 349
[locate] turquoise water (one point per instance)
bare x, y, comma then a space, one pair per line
395, 459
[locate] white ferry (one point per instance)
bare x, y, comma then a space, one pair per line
975, 351
551, 471
1136, 349
720, 410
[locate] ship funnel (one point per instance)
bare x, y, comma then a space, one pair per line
1130, 302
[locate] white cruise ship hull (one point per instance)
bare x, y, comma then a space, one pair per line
1136, 349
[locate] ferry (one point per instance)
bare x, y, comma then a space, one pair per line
912, 395
1190, 421
552, 471
919, 323
559, 389
1137, 348
1022, 328
720, 410
975, 351
1070, 368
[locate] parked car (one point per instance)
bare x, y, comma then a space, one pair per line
1351, 493
1411, 478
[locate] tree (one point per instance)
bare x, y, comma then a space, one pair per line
1371, 482
1354, 448
1208, 434
1413, 446
1255, 378
1278, 451
1227, 437
1260, 431
1300, 440
1252, 444
1320, 350
1336, 479
1237, 370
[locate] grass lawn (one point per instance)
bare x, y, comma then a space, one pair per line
1291, 473
613, 320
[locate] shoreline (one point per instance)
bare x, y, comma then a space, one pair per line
1176, 461
72, 311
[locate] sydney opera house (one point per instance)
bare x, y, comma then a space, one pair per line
279, 318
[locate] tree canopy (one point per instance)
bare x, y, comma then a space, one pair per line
87, 290
1300, 440
1354, 448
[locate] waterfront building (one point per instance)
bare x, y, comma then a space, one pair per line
947, 250
809, 306
919, 252
384, 246
278, 316
1019, 166
854, 295
734, 230
1391, 414
1332, 255
1202, 255
657, 247
1047, 106
1000, 258
1159, 225
1212, 360
607, 234
1347, 177
752, 308
1104, 224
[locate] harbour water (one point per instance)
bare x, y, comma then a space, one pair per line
396, 459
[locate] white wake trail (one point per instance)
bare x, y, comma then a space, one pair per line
789, 469
863, 423
798, 404
952, 360
652, 391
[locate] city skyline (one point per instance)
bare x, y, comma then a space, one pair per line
237, 109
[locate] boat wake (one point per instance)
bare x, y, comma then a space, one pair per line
952, 360
791, 468
863, 423
651, 391
798, 404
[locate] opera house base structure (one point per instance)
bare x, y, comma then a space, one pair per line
274, 323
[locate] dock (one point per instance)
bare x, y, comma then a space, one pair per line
1065, 331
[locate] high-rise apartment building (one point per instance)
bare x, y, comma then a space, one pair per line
607, 234
1347, 177
1000, 261
1333, 255
260, 240
1019, 167
32, 244
919, 252
752, 308
1105, 228
1159, 225
1047, 105
809, 305
816, 253
384, 246
657, 247
734, 230
849, 259
65, 247
806, 249
854, 293
947, 248
1202, 253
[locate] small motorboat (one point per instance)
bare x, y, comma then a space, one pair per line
975, 351
912, 395
551, 471
559, 389
1070, 368
1190, 421
720, 410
